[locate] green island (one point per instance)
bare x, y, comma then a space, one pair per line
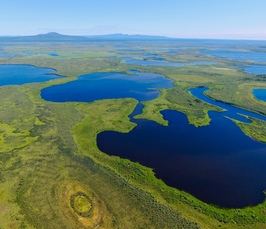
54, 176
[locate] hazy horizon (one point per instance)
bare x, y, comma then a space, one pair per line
181, 38
239, 19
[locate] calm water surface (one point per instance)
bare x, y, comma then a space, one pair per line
153, 63
53, 54
158, 61
26, 53
130, 50
99, 86
240, 56
4, 54
230, 111
255, 69
202, 63
21, 74
50, 53
36, 53
260, 94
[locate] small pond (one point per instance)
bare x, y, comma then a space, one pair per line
50, 53
260, 94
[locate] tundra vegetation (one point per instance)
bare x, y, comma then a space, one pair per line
52, 173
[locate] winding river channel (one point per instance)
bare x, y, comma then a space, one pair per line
229, 110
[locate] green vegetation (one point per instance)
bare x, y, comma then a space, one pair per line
255, 130
54, 176
81, 203
181, 100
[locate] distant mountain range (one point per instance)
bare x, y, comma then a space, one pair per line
56, 37
120, 36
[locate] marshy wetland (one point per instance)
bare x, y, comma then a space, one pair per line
61, 136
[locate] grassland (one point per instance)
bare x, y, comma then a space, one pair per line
256, 129
52, 172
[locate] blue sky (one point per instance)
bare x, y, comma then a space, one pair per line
229, 19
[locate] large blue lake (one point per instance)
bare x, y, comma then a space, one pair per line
112, 85
217, 164
22, 74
